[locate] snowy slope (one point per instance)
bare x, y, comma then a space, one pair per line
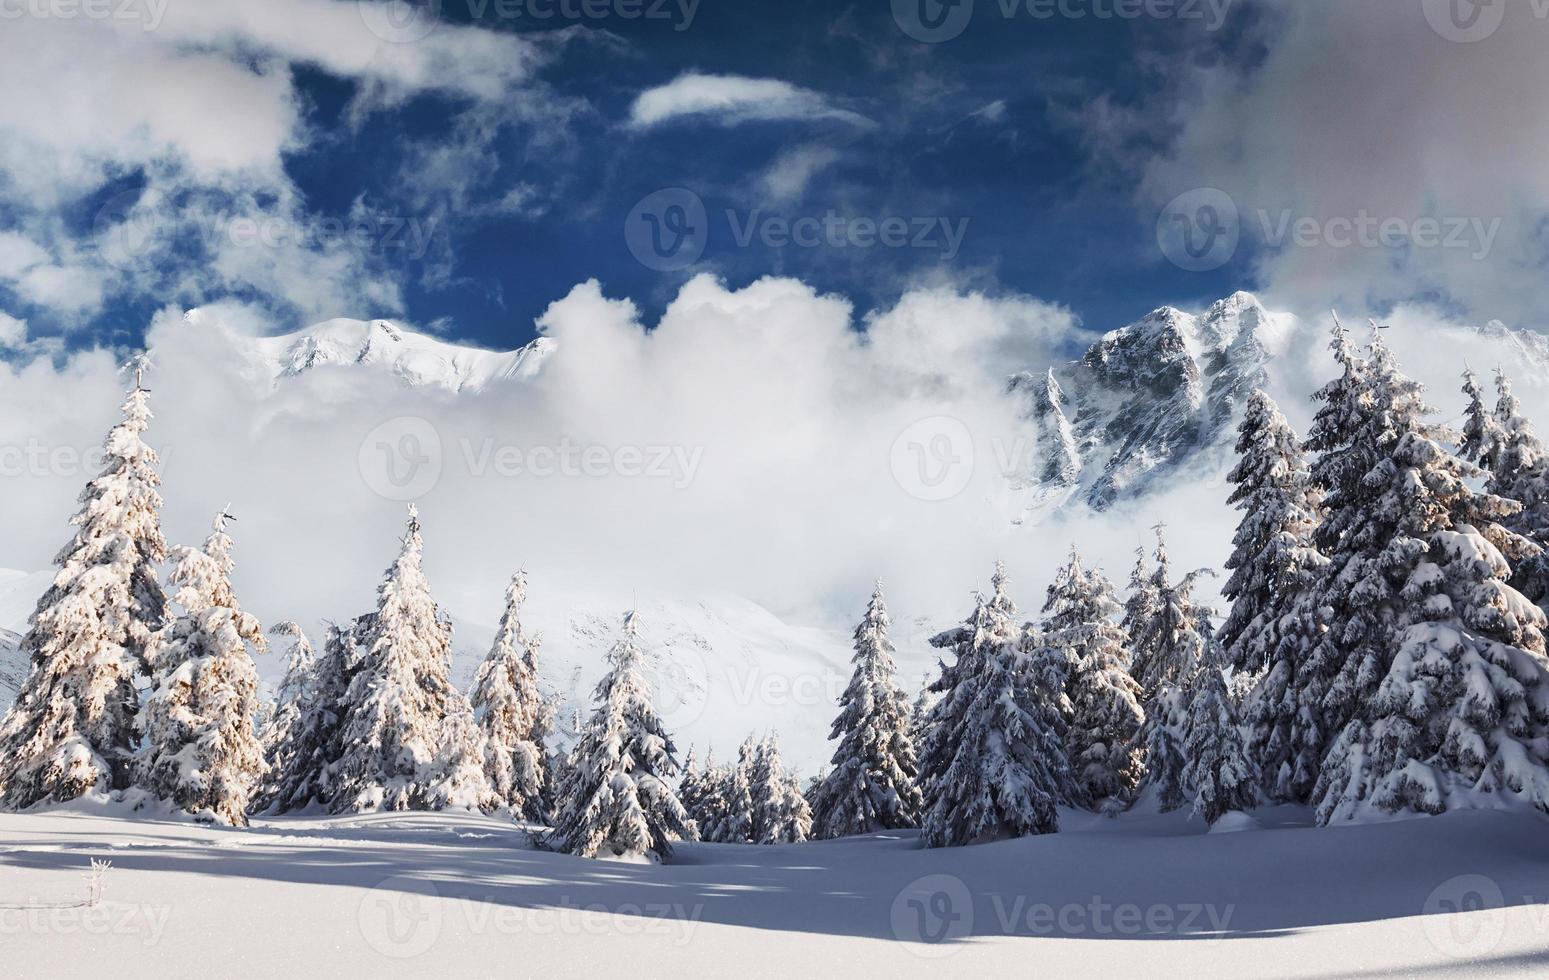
418, 894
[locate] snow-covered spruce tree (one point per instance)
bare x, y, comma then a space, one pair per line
734, 799
1174, 637
1350, 437
798, 812
459, 777
1140, 609
201, 753
1458, 713
709, 809
780, 813
1218, 771
510, 708
1481, 431
314, 742
1274, 623
874, 784
1104, 713
71, 729
296, 698
1519, 470
399, 697
993, 763
1273, 562
619, 801
1162, 737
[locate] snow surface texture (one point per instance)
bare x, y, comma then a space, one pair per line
452, 894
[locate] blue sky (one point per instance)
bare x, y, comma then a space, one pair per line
461, 165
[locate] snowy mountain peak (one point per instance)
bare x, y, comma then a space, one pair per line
1154, 395
417, 359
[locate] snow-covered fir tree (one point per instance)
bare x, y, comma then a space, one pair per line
732, 820
1519, 470
619, 800
1170, 641
314, 741
1351, 437
295, 699
780, 813
1162, 736
71, 729
399, 697
511, 711
200, 751
1218, 772
874, 783
1457, 714
460, 778
1139, 606
691, 786
1104, 700
797, 811
993, 763
708, 809
1481, 431
1274, 624
1273, 562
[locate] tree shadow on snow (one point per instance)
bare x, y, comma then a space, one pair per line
1120, 880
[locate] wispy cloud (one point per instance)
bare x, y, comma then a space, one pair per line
788, 176
732, 99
